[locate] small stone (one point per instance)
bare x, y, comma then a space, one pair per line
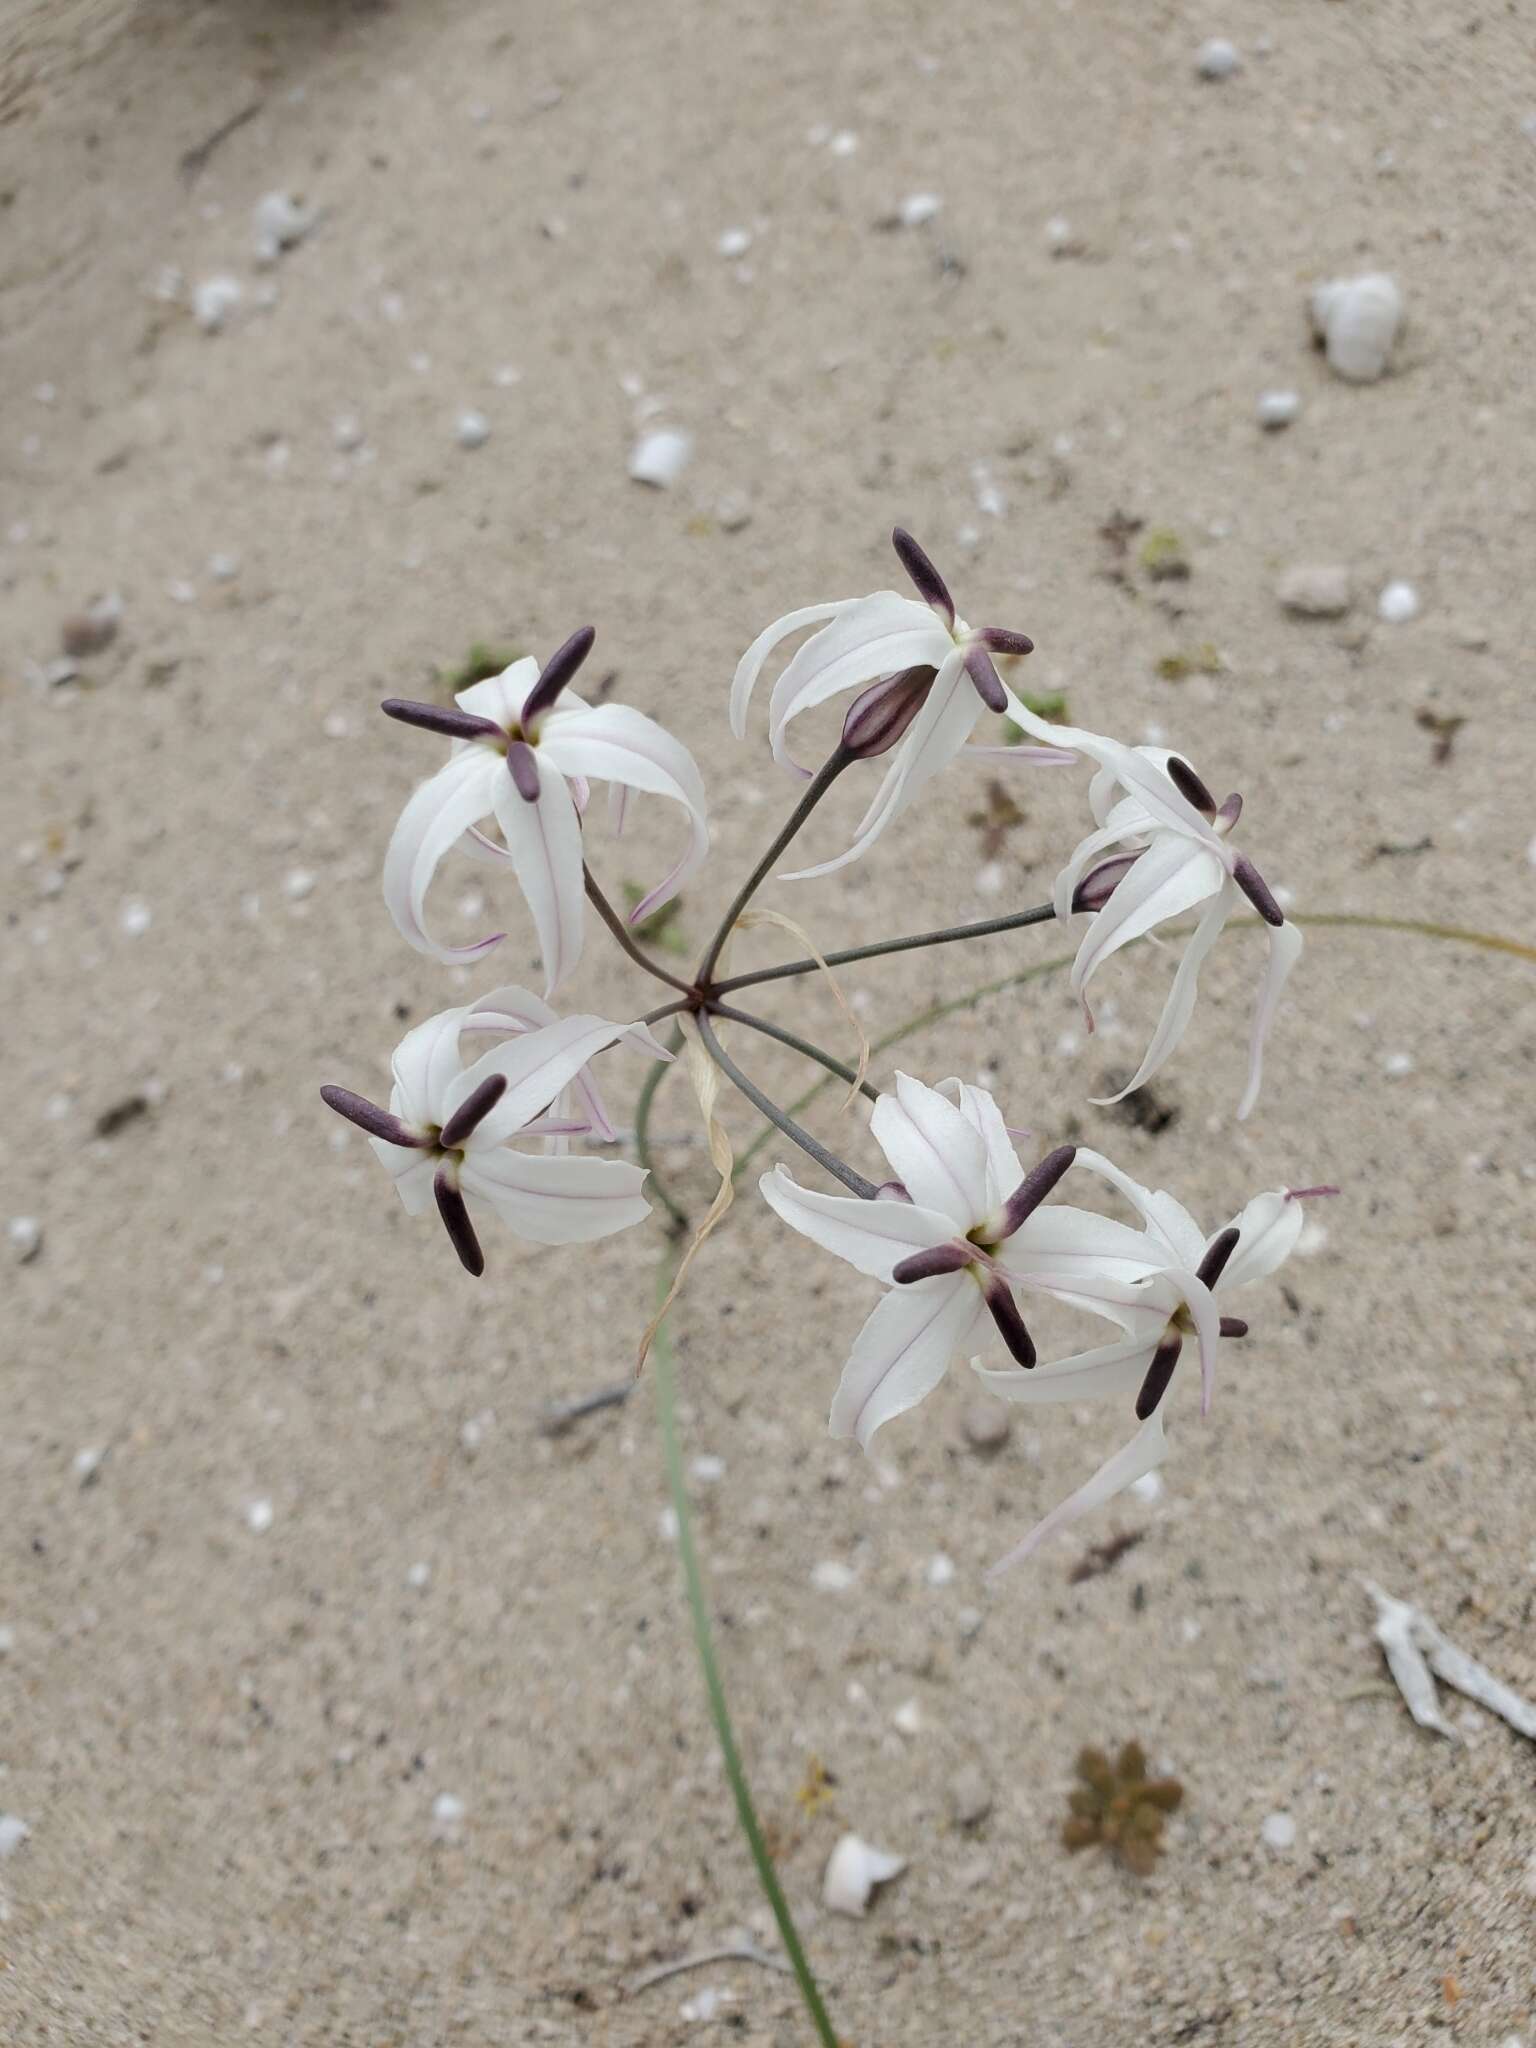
1278, 1832
24, 1235
708, 1469
1278, 409
908, 1718
969, 1796
1397, 604
918, 208
1217, 58
87, 1463
280, 222
419, 1577
214, 300
299, 883
660, 456
7, 1639
88, 632
135, 918
1317, 590
258, 1517
844, 142
986, 1425
1397, 1064
853, 1870
1475, 639
735, 242
733, 511
830, 1575
13, 1832
1357, 320
472, 429
180, 591
939, 1570
347, 432
223, 568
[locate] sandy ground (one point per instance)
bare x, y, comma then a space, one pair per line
227, 1740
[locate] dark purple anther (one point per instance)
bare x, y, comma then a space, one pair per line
1214, 1261
1231, 810
557, 672
930, 585
455, 1214
879, 716
1191, 788
454, 725
1233, 1326
944, 1258
1256, 889
1159, 1373
1035, 1186
524, 770
472, 1111
998, 1296
989, 684
378, 1123
1100, 883
998, 640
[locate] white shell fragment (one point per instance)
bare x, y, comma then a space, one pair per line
1278, 409
214, 300
1415, 1649
1217, 58
1397, 604
660, 456
853, 1870
1357, 319
1317, 590
472, 429
281, 222
918, 208
1278, 1831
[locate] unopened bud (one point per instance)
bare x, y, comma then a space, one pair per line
879, 716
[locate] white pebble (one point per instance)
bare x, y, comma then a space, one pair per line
24, 1234
1278, 408
13, 1832
735, 242
832, 1576
1397, 604
223, 568
1217, 58
918, 208
448, 1813
214, 300
707, 2004
280, 222
419, 1577
733, 511
258, 1517
87, 1463
298, 883
1358, 319
707, 1469
1278, 1831
940, 1570
135, 917
1397, 1064
472, 429
660, 456
7, 1639
179, 591
908, 1718
853, 1870
505, 375
347, 432
1058, 231
844, 142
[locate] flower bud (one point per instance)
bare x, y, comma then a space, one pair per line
879, 716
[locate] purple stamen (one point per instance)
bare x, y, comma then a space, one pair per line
1191, 788
989, 684
1217, 1253
1231, 810
455, 725
998, 640
931, 587
1035, 1186
557, 672
455, 1214
879, 716
472, 1111
1100, 883
1010, 1324
1256, 889
378, 1123
524, 769
1233, 1326
944, 1258
1309, 1194
1159, 1373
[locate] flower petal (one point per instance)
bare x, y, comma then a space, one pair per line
750, 666
1180, 1004
501, 698
1003, 1169
1143, 1454
557, 1200
1267, 1231
1110, 1369
437, 814
423, 1064
544, 839
872, 1236
536, 1067
939, 1157
902, 1352
1179, 1237
615, 744
411, 1171
1284, 951
1171, 877
873, 637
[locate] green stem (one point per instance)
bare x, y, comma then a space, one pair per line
820, 783
719, 1711
1041, 914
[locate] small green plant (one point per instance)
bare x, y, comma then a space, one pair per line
661, 928
1162, 556
482, 661
1204, 660
1118, 1805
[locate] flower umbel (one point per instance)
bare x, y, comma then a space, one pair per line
924, 675
525, 751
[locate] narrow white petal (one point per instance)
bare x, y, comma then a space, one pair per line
1201, 1304
902, 1353
1083, 857
1143, 1454
879, 635
511, 1009
544, 839
617, 745
1175, 1230
536, 1067
1284, 952
871, 1236
1116, 1369
1065, 1242
1180, 1004
750, 666
569, 1200
501, 698
1267, 1231
1172, 876
1003, 1169
411, 1171
938, 1156
423, 1064
438, 813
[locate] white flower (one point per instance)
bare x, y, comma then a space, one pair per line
1163, 848
926, 677
959, 1206
449, 1127
525, 758
1161, 1283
